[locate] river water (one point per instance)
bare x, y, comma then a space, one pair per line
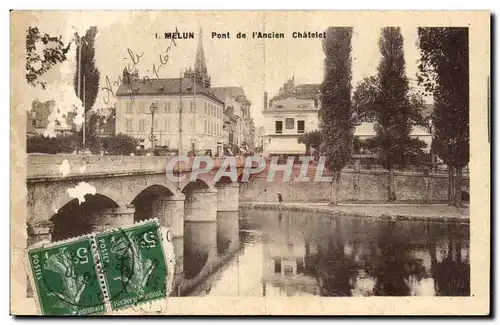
261, 253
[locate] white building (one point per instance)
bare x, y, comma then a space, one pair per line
367, 130
201, 115
291, 113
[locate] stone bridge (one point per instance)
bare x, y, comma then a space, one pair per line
118, 190
69, 195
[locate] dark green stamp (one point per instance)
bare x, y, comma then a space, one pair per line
133, 264
66, 279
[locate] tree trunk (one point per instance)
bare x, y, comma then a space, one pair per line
451, 188
334, 199
458, 187
391, 186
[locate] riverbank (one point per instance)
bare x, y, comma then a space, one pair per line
431, 212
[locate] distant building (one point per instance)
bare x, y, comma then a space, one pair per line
38, 119
238, 107
262, 140
291, 113
366, 130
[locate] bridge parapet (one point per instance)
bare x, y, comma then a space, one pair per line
40, 165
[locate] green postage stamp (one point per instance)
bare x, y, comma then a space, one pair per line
104, 272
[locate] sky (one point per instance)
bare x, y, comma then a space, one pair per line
257, 65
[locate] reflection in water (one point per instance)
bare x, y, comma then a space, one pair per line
227, 232
288, 253
199, 244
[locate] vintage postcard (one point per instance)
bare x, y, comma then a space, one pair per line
250, 163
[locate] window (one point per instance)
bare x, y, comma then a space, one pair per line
142, 107
192, 107
205, 126
277, 265
289, 123
300, 126
142, 124
193, 125
166, 107
206, 109
128, 125
128, 106
157, 124
279, 127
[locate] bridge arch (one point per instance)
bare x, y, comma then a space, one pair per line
145, 199
77, 218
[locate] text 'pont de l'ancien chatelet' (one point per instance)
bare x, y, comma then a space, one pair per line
244, 35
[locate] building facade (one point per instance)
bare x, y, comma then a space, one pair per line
189, 121
187, 115
291, 113
240, 123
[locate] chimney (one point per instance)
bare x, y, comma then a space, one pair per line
265, 99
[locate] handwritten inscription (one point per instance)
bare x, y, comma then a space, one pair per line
111, 86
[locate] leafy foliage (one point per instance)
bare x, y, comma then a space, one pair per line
364, 98
120, 144
89, 71
336, 122
444, 71
58, 144
392, 106
40, 60
311, 139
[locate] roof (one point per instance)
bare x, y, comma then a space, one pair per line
228, 92
285, 146
299, 105
165, 86
303, 91
367, 129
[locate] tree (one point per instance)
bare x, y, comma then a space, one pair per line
120, 144
89, 71
364, 98
392, 106
336, 123
311, 139
87, 77
43, 52
444, 71
62, 143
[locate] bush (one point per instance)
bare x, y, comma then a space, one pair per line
59, 144
120, 144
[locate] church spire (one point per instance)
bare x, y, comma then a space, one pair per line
200, 64
200, 73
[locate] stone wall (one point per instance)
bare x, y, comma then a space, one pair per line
362, 186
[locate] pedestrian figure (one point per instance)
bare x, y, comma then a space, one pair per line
280, 198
